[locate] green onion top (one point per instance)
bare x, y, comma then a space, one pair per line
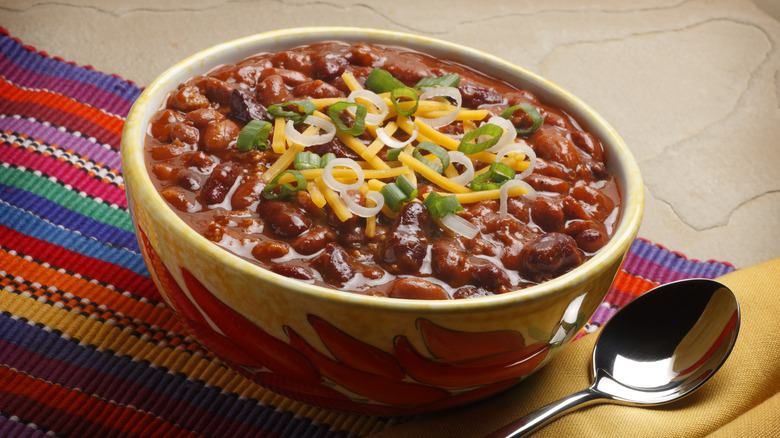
467, 147
436, 150
306, 160
302, 109
285, 189
254, 135
494, 178
448, 80
439, 205
334, 111
381, 81
528, 110
407, 93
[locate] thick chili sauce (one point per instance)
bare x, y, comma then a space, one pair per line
217, 189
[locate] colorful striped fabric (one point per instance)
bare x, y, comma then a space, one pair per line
87, 347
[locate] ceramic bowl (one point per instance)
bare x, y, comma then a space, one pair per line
355, 353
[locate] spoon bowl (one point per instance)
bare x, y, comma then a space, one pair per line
658, 348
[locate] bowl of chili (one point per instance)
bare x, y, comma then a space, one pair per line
372, 221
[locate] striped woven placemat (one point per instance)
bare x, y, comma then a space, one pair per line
87, 346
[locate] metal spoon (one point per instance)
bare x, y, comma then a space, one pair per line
656, 349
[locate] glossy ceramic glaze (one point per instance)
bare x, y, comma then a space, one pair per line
357, 353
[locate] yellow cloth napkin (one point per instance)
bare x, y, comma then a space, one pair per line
741, 400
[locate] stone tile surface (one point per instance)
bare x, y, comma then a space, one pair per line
692, 86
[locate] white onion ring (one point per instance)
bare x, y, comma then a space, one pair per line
310, 140
509, 135
468, 174
519, 147
333, 183
393, 143
360, 210
371, 118
451, 92
504, 194
459, 225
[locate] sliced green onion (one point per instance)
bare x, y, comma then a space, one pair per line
327, 158
449, 80
381, 81
407, 93
435, 149
439, 205
392, 154
406, 186
254, 135
530, 111
304, 108
394, 196
334, 111
493, 131
285, 189
306, 160
494, 178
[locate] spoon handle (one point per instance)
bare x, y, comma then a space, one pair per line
545, 414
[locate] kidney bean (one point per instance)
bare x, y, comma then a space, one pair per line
269, 250
162, 122
188, 98
518, 207
314, 240
588, 144
544, 183
317, 89
553, 118
407, 244
244, 107
220, 135
291, 78
475, 95
551, 254
188, 180
408, 72
272, 91
185, 133
602, 204
547, 214
553, 169
416, 289
219, 182
335, 264
590, 236
512, 255
470, 292
291, 271
284, 218
180, 199
365, 55
574, 209
489, 276
303, 199
550, 144
328, 66
248, 193
202, 117
449, 263
214, 89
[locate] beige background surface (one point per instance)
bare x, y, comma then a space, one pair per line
692, 86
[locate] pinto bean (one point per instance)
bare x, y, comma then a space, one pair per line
317, 89
291, 78
161, 124
180, 199
407, 243
544, 183
292, 60
164, 171
549, 143
202, 117
169, 150
269, 250
475, 95
551, 254
314, 240
284, 218
214, 89
220, 135
449, 263
188, 98
272, 90
601, 204
335, 264
590, 236
185, 133
416, 289
219, 182
588, 144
